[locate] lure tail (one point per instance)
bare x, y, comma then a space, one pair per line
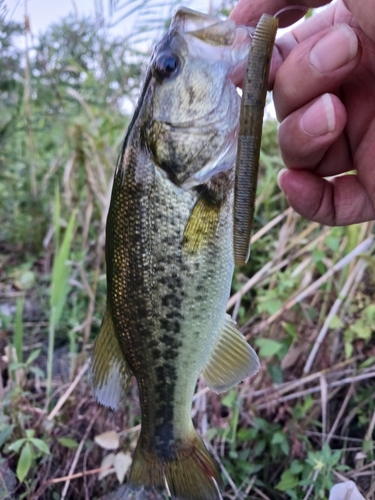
189, 473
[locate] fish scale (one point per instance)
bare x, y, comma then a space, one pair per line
169, 254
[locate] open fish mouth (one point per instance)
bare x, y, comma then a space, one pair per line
219, 40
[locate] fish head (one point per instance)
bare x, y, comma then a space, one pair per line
191, 106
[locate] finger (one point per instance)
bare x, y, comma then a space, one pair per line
315, 24
316, 66
364, 12
307, 136
248, 12
337, 202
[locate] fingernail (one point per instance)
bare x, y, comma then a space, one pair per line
279, 175
319, 119
335, 49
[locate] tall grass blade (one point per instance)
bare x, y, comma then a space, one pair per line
18, 329
59, 289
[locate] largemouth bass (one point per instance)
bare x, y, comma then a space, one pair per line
169, 253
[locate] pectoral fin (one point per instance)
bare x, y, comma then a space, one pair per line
202, 224
110, 372
231, 361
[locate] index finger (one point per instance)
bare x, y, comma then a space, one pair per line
248, 12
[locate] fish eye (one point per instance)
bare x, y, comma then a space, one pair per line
166, 65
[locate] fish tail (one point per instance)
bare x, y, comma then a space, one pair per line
191, 474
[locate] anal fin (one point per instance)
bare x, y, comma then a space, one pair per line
110, 372
232, 359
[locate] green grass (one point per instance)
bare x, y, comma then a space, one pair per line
305, 301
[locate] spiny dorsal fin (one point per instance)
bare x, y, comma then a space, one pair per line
202, 224
232, 359
110, 373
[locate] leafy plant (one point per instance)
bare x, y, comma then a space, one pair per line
29, 449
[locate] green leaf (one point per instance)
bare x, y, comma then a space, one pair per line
5, 434
259, 447
288, 481
230, 399
361, 329
268, 347
278, 438
37, 372
296, 467
348, 350
33, 356
285, 447
60, 274
275, 372
41, 445
26, 280
16, 446
368, 362
318, 255
270, 306
369, 313
30, 433
69, 442
24, 462
247, 434
290, 329
18, 328
333, 243
336, 323
367, 446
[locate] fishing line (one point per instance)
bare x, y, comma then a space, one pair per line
291, 7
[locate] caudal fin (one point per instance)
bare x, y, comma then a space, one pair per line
191, 474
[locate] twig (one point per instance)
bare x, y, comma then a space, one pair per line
291, 386
370, 428
316, 474
261, 494
336, 383
136, 428
268, 270
340, 413
364, 246
224, 470
361, 265
68, 392
80, 474
264, 230
249, 284
77, 454
365, 467
323, 391
2, 390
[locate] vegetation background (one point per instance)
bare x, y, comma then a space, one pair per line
305, 301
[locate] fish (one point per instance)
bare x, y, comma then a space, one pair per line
169, 253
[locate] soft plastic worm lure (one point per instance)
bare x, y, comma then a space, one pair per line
251, 120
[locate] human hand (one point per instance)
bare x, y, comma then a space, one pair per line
323, 78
